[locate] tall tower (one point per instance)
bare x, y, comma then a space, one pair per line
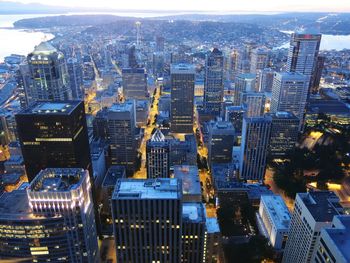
134, 83
54, 134
147, 218
254, 103
312, 212
182, 98
75, 72
254, 147
138, 34
121, 121
289, 93
259, 60
49, 78
158, 156
244, 83
214, 82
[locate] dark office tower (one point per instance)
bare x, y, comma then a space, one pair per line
134, 83
266, 80
244, 83
75, 72
157, 156
284, 133
289, 93
254, 103
51, 221
147, 219
160, 41
235, 114
254, 147
193, 232
214, 82
53, 134
158, 64
221, 139
182, 98
132, 57
303, 52
121, 134
316, 76
49, 77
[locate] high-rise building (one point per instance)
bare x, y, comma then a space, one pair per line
303, 52
160, 43
333, 244
183, 151
213, 82
193, 233
266, 80
54, 134
191, 187
275, 218
235, 114
147, 218
75, 72
49, 80
214, 251
182, 98
121, 133
158, 156
254, 147
289, 93
134, 83
53, 220
259, 59
243, 83
312, 212
132, 61
284, 133
317, 74
221, 140
254, 102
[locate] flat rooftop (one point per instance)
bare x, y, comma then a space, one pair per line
212, 225
51, 108
190, 179
127, 106
323, 205
193, 212
182, 68
57, 180
161, 188
277, 210
114, 173
341, 236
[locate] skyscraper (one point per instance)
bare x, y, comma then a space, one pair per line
214, 82
147, 218
121, 133
303, 52
134, 83
259, 59
53, 220
312, 212
244, 83
221, 140
54, 134
75, 72
289, 93
235, 114
254, 147
158, 156
284, 133
182, 98
254, 103
317, 74
49, 80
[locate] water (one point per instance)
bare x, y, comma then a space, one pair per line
329, 42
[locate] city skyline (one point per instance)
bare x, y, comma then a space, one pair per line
251, 6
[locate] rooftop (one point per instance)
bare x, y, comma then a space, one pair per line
340, 235
190, 179
51, 108
161, 188
182, 69
212, 225
277, 210
283, 115
114, 173
323, 205
44, 48
57, 180
127, 106
193, 212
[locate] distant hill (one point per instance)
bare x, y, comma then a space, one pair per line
33, 8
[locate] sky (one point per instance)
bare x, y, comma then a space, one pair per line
207, 5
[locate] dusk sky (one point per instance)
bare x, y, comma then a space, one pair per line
208, 5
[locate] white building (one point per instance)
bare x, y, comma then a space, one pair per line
334, 243
313, 211
275, 217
